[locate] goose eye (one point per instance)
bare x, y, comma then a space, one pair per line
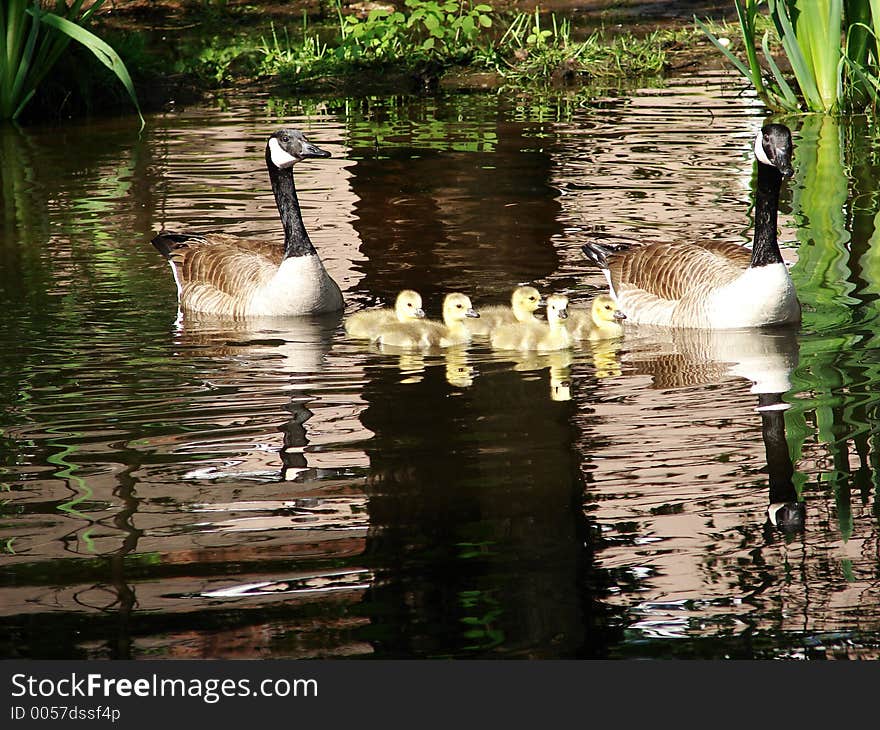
285, 138
409, 305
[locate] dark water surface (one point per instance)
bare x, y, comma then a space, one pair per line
211, 488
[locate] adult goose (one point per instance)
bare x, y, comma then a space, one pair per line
222, 274
708, 284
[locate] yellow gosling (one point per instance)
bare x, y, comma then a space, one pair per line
600, 322
523, 302
538, 336
428, 334
365, 325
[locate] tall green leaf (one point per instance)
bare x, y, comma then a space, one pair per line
102, 51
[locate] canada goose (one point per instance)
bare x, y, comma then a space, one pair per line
407, 308
712, 285
539, 336
523, 302
425, 334
217, 273
600, 322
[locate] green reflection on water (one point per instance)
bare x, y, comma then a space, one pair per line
837, 280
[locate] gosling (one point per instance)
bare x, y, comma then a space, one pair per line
538, 336
600, 322
365, 325
523, 303
428, 334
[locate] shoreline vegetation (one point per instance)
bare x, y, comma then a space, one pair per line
182, 51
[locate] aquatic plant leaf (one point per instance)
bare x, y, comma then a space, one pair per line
101, 50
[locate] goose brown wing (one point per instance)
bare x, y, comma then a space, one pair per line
671, 271
230, 264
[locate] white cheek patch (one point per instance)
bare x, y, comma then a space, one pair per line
280, 158
759, 149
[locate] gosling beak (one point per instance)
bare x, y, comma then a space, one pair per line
309, 150
563, 314
471, 313
618, 314
419, 313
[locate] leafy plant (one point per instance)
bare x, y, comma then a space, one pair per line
431, 30
31, 42
830, 45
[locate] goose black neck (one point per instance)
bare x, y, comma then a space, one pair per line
296, 239
765, 249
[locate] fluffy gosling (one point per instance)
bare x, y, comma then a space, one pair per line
523, 302
365, 325
600, 322
538, 336
427, 334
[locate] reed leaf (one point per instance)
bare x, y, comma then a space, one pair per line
31, 42
789, 98
801, 67
101, 50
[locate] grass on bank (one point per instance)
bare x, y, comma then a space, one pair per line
523, 48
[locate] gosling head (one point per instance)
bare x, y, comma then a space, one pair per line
604, 311
456, 307
408, 306
286, 147
773, 147
525, 300
557, 308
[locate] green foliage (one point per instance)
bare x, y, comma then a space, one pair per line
31, 42
830, 45
436, 34
285, 57
430, 31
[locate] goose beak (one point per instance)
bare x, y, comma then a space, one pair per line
310, 151
472, 313
618, 314
419, 313
563, 314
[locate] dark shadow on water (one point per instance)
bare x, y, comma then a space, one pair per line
478, 540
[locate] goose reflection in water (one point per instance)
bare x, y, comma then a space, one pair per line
677, 358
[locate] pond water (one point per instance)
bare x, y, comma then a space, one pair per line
206, 488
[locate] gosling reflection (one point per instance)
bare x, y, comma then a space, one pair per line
413, 364
557, 363
606, 358
681, 358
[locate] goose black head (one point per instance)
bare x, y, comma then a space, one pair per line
286, 147
773, 147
